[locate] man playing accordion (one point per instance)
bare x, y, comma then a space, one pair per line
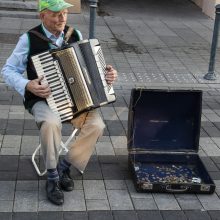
53, 15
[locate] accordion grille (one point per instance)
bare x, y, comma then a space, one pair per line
74, 77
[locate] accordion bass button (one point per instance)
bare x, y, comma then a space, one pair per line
71, 80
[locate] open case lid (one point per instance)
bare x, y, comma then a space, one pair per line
164, 120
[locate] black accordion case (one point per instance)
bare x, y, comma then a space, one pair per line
163, 141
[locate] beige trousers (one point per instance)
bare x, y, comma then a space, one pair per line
91, 127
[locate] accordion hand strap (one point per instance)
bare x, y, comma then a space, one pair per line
43, 37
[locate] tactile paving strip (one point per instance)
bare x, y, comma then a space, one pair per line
180, 78
151, 77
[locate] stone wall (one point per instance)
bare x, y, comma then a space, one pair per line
207, 6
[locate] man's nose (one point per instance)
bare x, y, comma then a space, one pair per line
62, 17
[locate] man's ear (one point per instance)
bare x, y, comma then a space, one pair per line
41, 15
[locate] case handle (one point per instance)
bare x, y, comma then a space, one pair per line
169, 189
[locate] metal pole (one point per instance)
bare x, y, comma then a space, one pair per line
211, 74
93, 6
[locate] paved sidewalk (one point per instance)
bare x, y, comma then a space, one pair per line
163, 45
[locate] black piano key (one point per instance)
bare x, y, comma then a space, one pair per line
51, 65
60, 100
56, 87
43, 54
53, 81
51, 77
51, 74
60, 106
58, 94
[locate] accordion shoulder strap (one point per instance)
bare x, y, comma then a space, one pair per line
43, 37
68, 34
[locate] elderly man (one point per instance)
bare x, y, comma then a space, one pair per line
53, 15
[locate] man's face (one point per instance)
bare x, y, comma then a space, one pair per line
54, 21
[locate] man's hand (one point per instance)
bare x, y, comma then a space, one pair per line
37, 89
111, 74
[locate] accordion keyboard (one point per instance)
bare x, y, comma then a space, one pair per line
59, 99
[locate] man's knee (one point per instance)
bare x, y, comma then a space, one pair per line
52, 123
99, 127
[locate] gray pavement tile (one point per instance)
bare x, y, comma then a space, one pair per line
210, 202
30, 124
10, 151
112, 171
9, 163
8, 175
197, 214
26, 201
173, 215
45, 206
94, 189
11, 141
26, 185
50, 215
166, 202
128, 215
33, 132
100, 215
26, 169
97, 204
215, 159
75, 215
152, 215
5, 216
7, 189
119, 200
6, 206
209, 164
115, 184
109, 113
104, 148
188, 201
214, 175
215, 215
119, 141
74, 201
25, 216
144, 204
3, 123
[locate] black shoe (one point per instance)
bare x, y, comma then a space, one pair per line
66, 181
54, 192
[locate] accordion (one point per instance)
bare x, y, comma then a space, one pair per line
76, 76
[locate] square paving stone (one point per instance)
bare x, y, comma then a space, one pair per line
7, 189
6, 206
151, 215
173, 215
26, 169
25, 216
97, 204
9, 163
75, 215
122, 215
5, 216
100, 215
188, 202
197, 214
215, 215
119, 200
50, 215
74, 201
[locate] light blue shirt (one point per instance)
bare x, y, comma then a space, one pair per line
16, 64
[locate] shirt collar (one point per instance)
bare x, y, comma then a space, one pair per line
49, 34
